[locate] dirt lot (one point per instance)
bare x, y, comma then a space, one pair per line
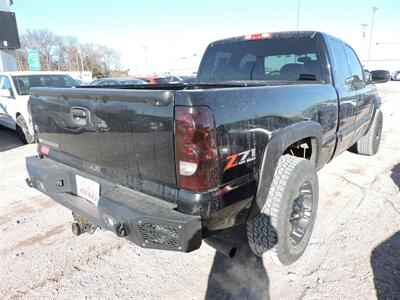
354, 252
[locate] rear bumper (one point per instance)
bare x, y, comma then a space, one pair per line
149, 222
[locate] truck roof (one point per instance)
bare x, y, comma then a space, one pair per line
269, 35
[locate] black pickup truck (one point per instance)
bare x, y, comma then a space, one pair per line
170, 165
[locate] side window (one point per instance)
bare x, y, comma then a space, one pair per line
355, 66
6, 84
340, 62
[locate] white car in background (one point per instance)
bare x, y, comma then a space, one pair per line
14, 96
396, 76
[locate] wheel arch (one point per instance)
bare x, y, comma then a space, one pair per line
279, 142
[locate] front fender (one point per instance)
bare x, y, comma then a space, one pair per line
276, 146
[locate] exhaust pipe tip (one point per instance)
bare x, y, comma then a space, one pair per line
221, 246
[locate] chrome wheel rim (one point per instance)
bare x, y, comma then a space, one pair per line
300, 216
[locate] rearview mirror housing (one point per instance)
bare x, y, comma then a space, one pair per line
379, 76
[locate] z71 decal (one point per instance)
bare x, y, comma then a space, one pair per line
240, 158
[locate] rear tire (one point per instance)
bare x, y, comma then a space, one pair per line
368, 144
284, 227
23, 131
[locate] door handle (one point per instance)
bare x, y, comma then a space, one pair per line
79, 116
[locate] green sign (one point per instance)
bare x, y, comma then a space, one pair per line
34, 60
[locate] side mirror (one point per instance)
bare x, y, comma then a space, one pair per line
379, 76
355, 82
5, 93
349, 81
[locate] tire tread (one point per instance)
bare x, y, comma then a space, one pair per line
261, 231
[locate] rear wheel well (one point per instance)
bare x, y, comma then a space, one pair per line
304, 148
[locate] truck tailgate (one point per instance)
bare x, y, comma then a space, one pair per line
126, 133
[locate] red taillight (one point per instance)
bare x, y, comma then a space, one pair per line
43, 150
258, 36
195, 148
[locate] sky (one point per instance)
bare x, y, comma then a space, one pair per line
159, 36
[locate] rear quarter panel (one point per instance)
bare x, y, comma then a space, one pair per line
246, 118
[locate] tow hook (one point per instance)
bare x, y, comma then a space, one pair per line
120, 230
82, 225
30, 182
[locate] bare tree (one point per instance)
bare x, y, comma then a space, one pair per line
22, 60
65, 53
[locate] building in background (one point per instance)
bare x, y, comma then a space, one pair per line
9, 38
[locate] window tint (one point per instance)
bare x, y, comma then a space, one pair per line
109, 82
355, 66
25, 82
161, 81
285, 59
340, 62
6, 84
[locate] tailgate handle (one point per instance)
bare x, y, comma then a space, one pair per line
79, 116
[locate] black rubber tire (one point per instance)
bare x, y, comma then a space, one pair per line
368, 144
268, 234
23, 132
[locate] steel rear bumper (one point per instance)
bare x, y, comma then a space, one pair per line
148, 221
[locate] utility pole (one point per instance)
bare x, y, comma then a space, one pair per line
298, 15
374, 9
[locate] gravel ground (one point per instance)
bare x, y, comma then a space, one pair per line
354, 252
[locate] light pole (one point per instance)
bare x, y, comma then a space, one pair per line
374, 9
364, 26
298, 15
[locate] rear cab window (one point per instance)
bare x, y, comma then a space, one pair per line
277, 59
